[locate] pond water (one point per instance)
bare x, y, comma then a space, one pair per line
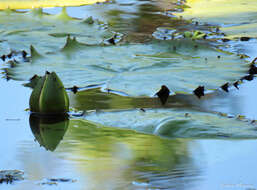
81, 154
93, 157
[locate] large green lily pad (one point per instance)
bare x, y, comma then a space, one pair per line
237, 18
19, 30
133, 68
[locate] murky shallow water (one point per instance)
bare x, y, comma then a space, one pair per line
96, 157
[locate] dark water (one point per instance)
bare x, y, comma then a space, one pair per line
79, 154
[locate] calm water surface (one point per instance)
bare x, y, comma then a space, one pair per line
83, 155
96, 157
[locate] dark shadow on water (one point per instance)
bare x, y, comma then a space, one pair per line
49, 131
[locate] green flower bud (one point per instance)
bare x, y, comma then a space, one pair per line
49, 96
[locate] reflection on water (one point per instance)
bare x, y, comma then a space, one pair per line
109, 158
49, 131
137, 19
127, 159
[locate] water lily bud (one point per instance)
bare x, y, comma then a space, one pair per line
49, 96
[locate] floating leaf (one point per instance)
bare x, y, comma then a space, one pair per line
238, 19
46, 32
127, 67
175, 123
124, 67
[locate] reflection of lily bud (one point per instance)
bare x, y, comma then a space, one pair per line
49, 131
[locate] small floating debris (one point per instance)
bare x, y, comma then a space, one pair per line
187, 115
9, 176
56, 181
15, 55
222, 135
142, 109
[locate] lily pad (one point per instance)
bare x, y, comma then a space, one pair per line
126, 67
95, 99
173, 123
237, 18
20, 30
81, 55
